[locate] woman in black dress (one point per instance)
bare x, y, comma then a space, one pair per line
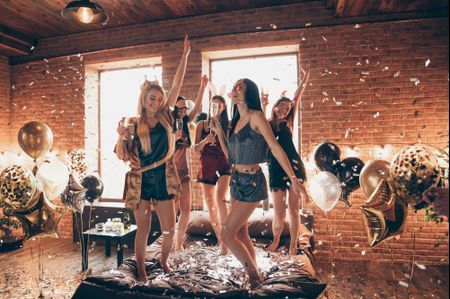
282, 123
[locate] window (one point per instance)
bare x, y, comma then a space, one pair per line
118, 97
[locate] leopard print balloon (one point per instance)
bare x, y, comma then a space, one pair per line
18, 187
412, 172
76, 161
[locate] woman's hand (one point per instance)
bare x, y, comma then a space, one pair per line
299, 189
187, 45
121, 129
214, 125
204, 81
178, 134
210, 139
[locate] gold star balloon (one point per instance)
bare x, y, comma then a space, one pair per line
384, 214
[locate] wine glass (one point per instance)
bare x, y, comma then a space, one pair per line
179, 124
129, 126
214, 109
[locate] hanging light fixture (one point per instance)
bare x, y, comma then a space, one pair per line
83, 11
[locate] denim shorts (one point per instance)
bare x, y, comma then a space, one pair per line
154, 184
248, 187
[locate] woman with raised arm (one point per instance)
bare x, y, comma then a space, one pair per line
182, 144
214, 172
148, 144
282, 123
249, 138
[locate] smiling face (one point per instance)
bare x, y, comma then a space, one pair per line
238, 92
282, 109
154, 100
182, 107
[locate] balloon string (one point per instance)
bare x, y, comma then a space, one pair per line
393, 274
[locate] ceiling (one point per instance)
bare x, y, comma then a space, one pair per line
24, 22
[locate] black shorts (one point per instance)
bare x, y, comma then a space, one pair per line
248, 187
279, 180
154, 184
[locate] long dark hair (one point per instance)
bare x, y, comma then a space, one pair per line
223, 118
290, 117
252, 100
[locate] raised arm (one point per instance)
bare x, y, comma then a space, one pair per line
223, 140
300, 89
198, 100
179, 75
262, 125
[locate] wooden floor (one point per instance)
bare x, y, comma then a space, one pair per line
61, 264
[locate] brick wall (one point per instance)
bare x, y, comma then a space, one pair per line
4, 103
351, 63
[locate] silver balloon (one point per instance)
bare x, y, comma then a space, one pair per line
325, 190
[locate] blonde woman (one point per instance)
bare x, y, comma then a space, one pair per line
149, 146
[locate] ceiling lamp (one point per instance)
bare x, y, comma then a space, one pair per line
85, 12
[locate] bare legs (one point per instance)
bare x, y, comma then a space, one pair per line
208, 193
185, 211
236, 238
279, 207
279, 204
143, 216
165, 209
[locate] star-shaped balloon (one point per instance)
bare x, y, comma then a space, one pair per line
384, 214
43, 220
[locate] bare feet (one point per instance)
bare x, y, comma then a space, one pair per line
224, 250
166, 268
142, 278
293, 249
254, 281
273, 246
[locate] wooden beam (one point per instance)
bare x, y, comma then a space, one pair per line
17, 36
17, 47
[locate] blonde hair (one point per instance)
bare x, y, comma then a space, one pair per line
163, 115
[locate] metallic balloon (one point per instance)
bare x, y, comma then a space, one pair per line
35, 138
372, 174
94, 187
412, 172
42, 221
325, 190
348, 174
384, 214
18, 188
327, 157
77, 163
73, 199
53, 177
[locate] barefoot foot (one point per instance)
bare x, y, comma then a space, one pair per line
273, 246
166, 268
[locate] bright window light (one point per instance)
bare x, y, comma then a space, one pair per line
119, 93
273, 74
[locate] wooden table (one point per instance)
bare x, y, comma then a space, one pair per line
107, 237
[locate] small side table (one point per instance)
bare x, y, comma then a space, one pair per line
108, 237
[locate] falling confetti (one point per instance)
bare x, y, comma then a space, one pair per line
376, 115
427, 63
357, 26
403, 284
308, 24
324, 38
273, 26
397, 74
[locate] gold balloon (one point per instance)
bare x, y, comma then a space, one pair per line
384, 215
372, 174
43, 220
18, 188
35, 138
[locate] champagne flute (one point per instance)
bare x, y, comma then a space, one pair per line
214, 111
126, 121
179, 125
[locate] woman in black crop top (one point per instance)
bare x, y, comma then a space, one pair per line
282, 123
248, 185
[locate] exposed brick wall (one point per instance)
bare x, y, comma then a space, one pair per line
4, 103
333, 53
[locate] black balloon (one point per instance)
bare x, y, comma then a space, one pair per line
93, 186
327, 157
348, 174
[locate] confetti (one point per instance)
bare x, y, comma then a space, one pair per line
324, 38
308, 24
420, 266
427, 63
376, 115
357, 26
397, 74
403, 284
273, 26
